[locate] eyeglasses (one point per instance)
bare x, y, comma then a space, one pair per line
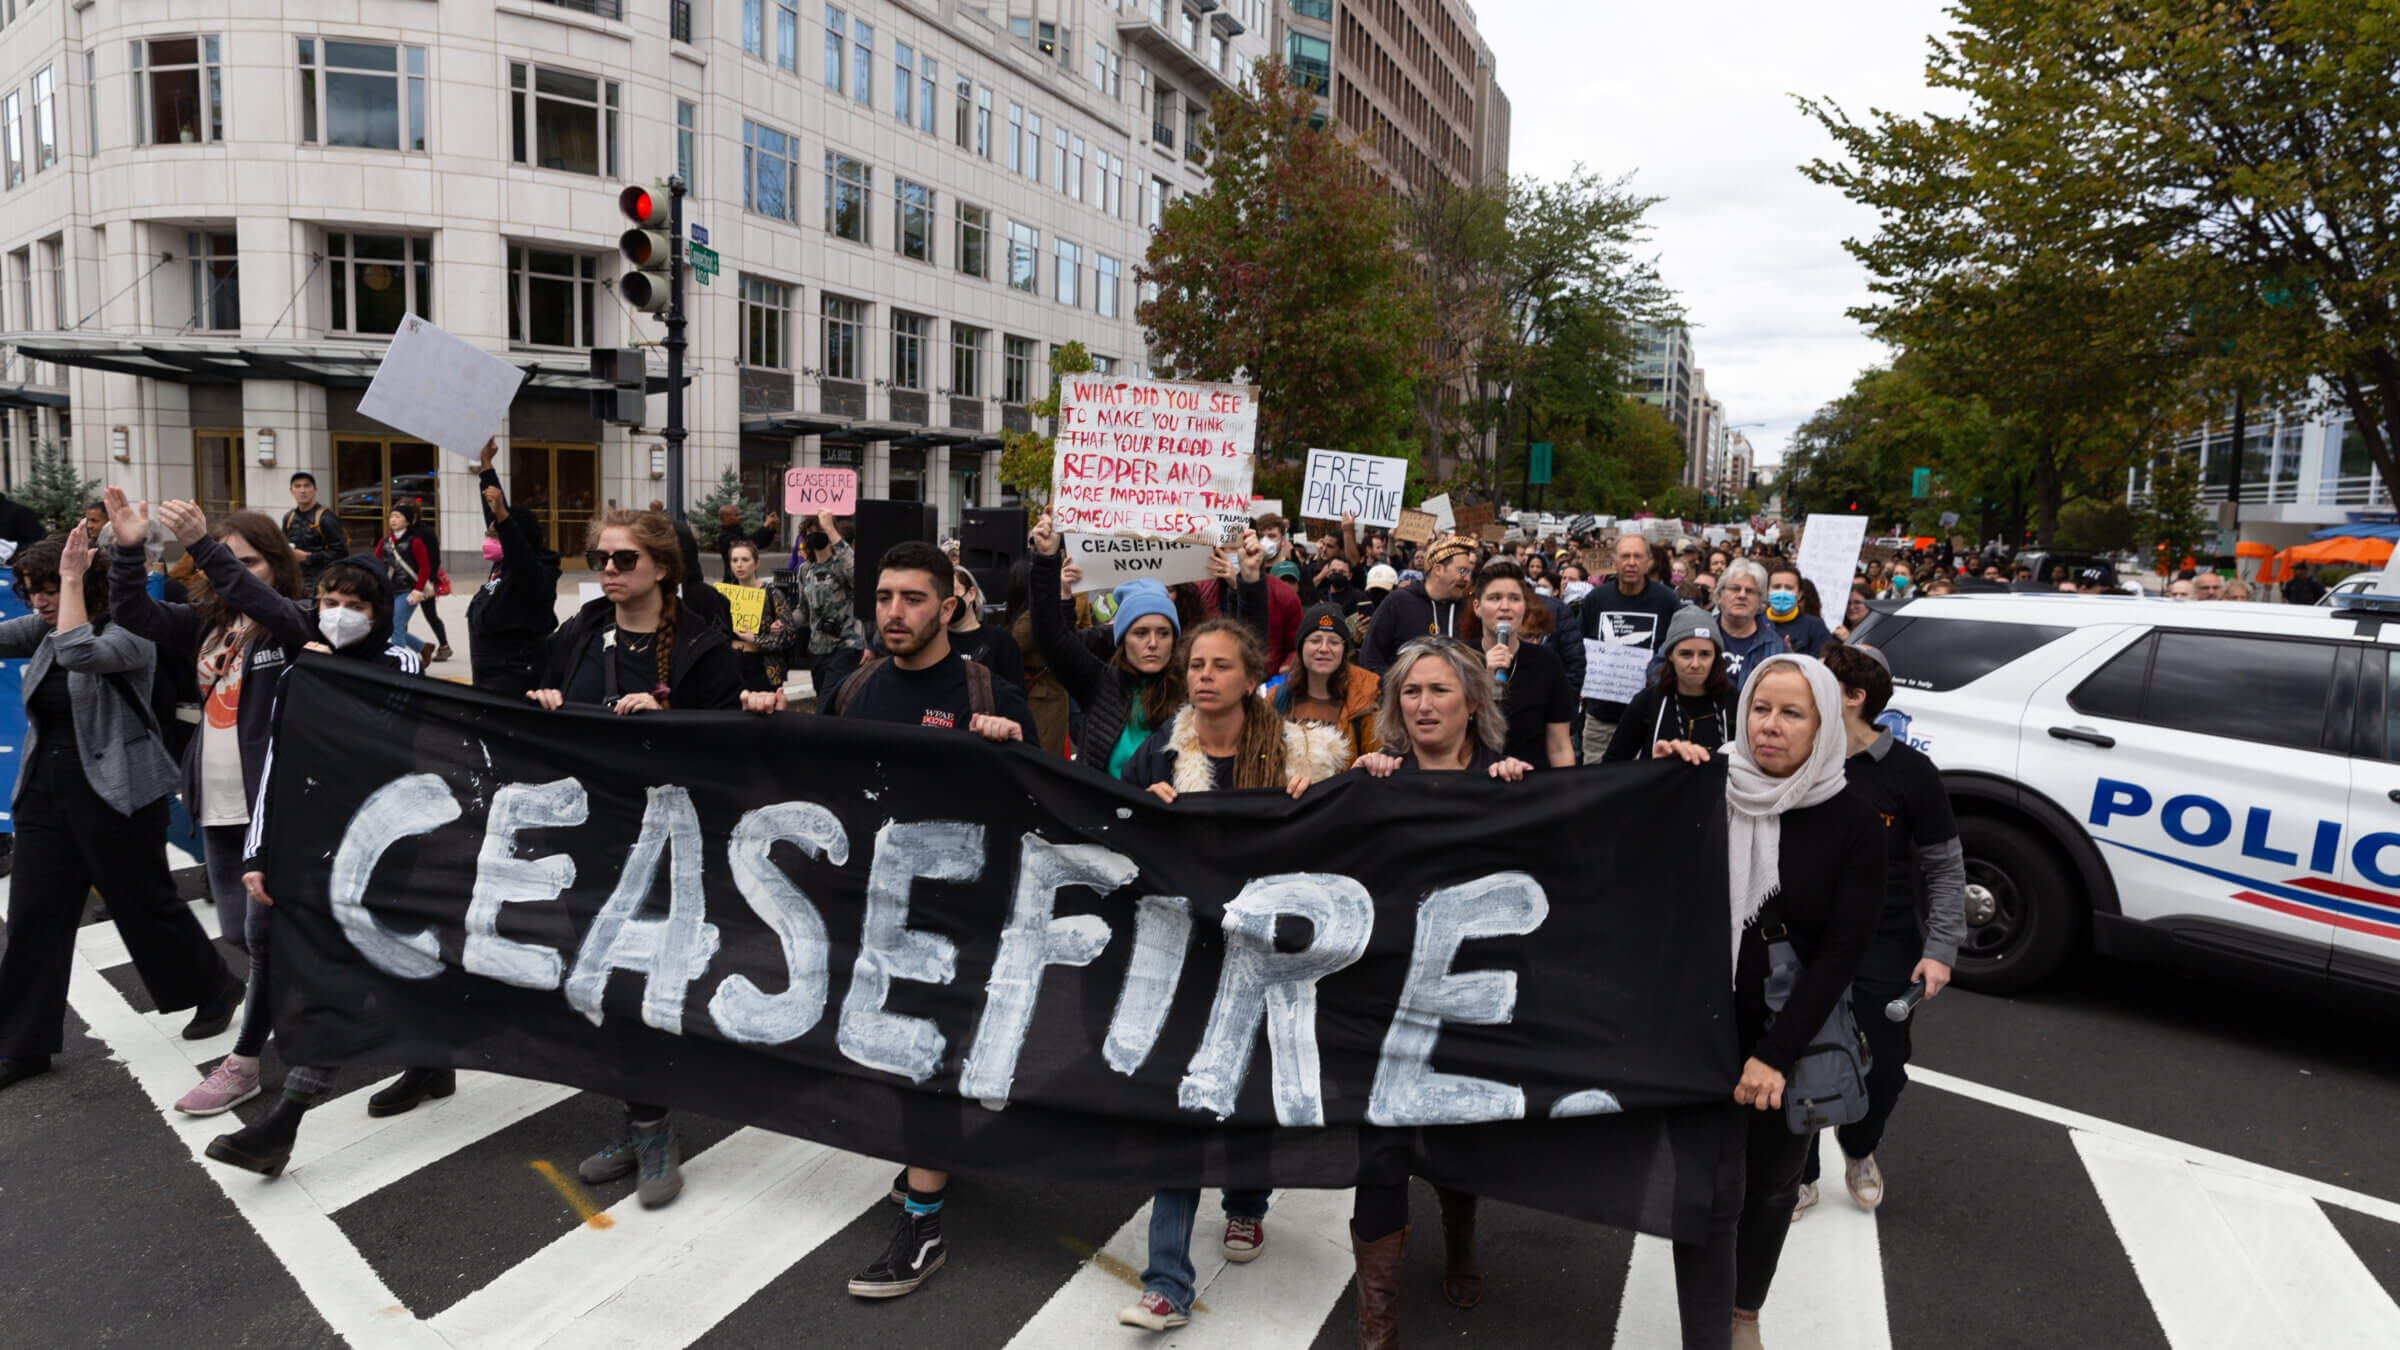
623, 559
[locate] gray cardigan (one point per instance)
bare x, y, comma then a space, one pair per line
122, 757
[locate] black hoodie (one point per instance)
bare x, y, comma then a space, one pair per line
701, 671
521, 598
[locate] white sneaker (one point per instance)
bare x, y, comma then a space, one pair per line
1808, 1198
1865, 1180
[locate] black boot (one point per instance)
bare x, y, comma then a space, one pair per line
413, 1087
265, 1147
1462, 1277
216, 1012
22, 1067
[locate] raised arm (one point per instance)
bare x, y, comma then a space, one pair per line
281, 616
1071, 661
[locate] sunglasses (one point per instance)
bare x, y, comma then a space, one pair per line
623, 559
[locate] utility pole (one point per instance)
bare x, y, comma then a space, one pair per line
675, 345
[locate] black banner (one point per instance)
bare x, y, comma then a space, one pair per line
916, 945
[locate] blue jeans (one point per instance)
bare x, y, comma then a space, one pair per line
403, 609
1170, 1272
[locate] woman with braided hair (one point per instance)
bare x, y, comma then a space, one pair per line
634, 650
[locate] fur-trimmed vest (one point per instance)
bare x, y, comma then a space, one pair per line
1318, 751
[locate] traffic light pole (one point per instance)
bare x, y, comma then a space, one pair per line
675, 345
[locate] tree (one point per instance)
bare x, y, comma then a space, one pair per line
1025, 456
2174, 523
53, 489
2229, 165
1459, 237
728, 492
1288, 273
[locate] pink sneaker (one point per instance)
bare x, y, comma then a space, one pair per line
227, 1086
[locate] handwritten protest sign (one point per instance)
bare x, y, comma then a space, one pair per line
749, 605
1829, 552
1155, 459
1439, 507
808, 491
441, 389
1415, 527
1614, 672
1110, 560
1339, 482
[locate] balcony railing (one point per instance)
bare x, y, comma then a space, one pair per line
1163, 133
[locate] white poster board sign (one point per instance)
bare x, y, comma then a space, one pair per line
1153, 459
1339, 481
1110, 560
1614, 672
441, 389
1829, 548
1440, 507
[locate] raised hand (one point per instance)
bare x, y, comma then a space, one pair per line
185, 519
132, 522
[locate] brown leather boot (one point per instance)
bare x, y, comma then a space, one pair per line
1462, 1278
1379, 1289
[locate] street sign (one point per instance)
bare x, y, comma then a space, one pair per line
704, 262
1920, 482
1539, 470
699, 233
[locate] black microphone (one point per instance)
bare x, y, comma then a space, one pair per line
1899, 1009
1505, 630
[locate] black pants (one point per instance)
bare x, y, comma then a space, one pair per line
1736, 1266
70, 843
430, 607
1888, 1042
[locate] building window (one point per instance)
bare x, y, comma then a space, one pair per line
754, 28
1112, 197
1107, 75
769, 168
1016, 369
908, 349
1320, 10
1187, 26
12, 128
966, 361
568, 121
1066, 280
550, 297
370, 94
1104, 286
1156, 211
915, 222
862, 63
1024, 258
1216, 51
837, 26
45, 120
983, 122
1162, 116
1104, 365
687, 136
904, 82
54, 264
1016, 136
966, 113
844, 321
179, 91
1059, 162
847, 186
1075, 167
377, 278
929, 79
766, 315
91, 117
1311, 60
1033, 148
216, 282
974, 240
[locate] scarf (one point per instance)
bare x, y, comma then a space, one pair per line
1755, 801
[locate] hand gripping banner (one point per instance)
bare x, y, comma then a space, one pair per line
916, 945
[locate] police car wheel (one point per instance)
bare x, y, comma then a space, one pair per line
2025, 917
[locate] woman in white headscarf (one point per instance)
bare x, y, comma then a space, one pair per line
1796, 835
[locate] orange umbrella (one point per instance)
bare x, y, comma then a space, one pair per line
2347, 549
2252, 548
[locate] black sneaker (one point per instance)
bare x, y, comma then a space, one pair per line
916, 1252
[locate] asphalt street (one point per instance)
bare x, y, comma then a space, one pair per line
2137, 1156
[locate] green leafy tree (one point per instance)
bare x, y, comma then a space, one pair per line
728, 492
53, 490
1288, 272
1026, 456
2174, 522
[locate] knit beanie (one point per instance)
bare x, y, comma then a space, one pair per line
1692, 623
1142, 596
1325, 619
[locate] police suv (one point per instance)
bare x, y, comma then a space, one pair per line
2151, 776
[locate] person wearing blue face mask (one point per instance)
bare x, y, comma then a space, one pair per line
1801, 631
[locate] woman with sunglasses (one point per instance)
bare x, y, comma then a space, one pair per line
630, 652
1441, 714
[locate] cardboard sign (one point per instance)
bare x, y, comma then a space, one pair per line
1470, 520
808, 491
1493, 534
1415, 527
1829, 548
1110, 560
1440, 509
749, 605
1153, 459
1368, 485
441, 389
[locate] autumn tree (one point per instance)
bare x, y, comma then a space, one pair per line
1288, 273
1026, 456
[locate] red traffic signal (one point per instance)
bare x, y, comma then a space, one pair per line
648, 249
642, 208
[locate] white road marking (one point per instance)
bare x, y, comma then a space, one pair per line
1829, 1288
103, 946
1276, 1301
1647, 1319
345, 1165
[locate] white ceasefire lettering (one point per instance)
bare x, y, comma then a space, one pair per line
670, 952
405, 807
888, 949
1407, 1090
501, 877
1258, 981
1033, 942
1162, 932
740, 1009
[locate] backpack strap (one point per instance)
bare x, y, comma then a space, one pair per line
849, 687
979, 689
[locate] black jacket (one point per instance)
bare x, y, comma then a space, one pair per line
1655, 715
1410, 613
694, 643
1104, 691
316, 535
521, 598
19, 524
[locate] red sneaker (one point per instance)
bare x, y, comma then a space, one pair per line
1153, 1311
1243, 1238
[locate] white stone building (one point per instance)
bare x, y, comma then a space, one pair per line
218, 209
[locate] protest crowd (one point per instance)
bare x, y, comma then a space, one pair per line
1301, 656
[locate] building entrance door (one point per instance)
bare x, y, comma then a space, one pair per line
217, 471
559, 486
371, 476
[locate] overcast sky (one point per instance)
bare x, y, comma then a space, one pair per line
1694, 96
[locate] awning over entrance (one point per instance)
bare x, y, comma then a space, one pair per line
221, 360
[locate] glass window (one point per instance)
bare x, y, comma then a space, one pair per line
179, 88
904, 82
848, 184
1066, 278
2388, 724
1104, 287
1059, 163
687, 135
929, 78
365, 95
966, 361
983, 122
974, 240
966, 113
54, 266
216, 280
91, 144
787, 35
2115, 690
766, 314
45, 120
1187, 26
377, 278
914, 222
569, 120
1112, 196
908, 349
1033, 147
1016, 134
1311, 60
12, 129
754, 27
1321, 10
844, 322
1075, 167
2283, 687
862, 63
1216, 51
836, 31
769, 168
1024, 258
1016, 369
1943, 654
550, 296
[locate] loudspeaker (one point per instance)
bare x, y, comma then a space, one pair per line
881, 525
990, 541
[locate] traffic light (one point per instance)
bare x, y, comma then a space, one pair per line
627, 372
646, 247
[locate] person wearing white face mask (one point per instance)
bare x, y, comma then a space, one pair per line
1803, 633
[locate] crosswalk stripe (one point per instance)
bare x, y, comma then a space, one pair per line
1277, 1301
2229, 1263
1829, 1288
346, 1155
754, 1197
103, 946
169, 1027
1647, 1319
